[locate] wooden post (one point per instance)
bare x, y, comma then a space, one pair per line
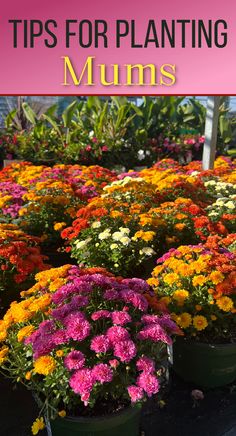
211, 127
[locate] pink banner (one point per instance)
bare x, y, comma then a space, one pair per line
94, 47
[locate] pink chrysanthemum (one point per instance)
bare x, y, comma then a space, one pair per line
102, 373
149, 383
117, 333
150, 319
135, 393
137, 300
100, 314
82, 381
145, 364
155, 333
125, 350
120, 317
74, 360
100, 344
76, 328
111, 294
114, 363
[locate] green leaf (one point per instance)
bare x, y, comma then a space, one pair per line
52, 122
68, 113
29, 113
9, 120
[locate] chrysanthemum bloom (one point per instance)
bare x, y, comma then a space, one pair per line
114, 363
76, 328
111, 294
100, 344
145, 364
184, 320
24, 332
125, 350
37, 426
225, 304
134, 298
74, 360
149, 383
44, 365
120, 317
100, 314
82, 381
62, 413
136, 393
102, 373
117, 333
200, 322
155, 333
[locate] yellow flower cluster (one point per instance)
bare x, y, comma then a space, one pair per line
192, 282
44, 365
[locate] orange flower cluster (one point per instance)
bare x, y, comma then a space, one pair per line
20, 256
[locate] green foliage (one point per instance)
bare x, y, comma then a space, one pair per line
112, 131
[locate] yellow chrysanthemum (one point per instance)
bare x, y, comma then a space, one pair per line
153, 282
37, 426
171, 278
62, 413
180, 226
216, 277
180, 296
225, 304
24, 332
44, 365
199, 280
59, 226
3, 335
200, 322
3, 354
184, 320
28, 375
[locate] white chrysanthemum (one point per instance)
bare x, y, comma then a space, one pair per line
124, 230
82, 244
210, 183
114, 246
213, 213
125, 240
230, 205
104, 235
96, 225
219, 202
117, 236
148, 251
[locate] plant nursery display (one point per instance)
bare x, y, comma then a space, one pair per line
87, 344
90, 340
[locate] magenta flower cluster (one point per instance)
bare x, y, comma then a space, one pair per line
103, 340
15, 201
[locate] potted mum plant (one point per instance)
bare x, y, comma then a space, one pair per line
20, 260
197, 284
87, 344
